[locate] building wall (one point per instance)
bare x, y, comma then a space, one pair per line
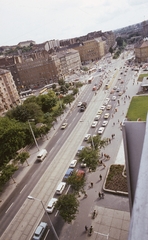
8, 93
91, 50
141, 54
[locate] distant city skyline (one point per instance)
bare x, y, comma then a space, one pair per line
44, 20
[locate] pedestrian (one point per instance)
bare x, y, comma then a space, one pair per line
112, 115
99, 194
118, 120
91, 184
86, 228
102, 154
102, 195
91, 229
100, 177
109, 140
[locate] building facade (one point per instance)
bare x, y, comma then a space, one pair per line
91, 50
9, 97
141, 51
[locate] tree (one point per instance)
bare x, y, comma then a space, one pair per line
47, 101
22, 157
90, 157
68, 99
67, 206
75, 91
97, 142
111, 50
7, 173
77, 182
119, 41
61, 82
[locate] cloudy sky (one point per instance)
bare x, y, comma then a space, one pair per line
42, 20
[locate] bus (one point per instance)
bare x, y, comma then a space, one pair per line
90, 79
25, 93
91, 70
43, 91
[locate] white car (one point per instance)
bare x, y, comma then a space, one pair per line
100, 112
94, 124
106, 115
108, 107
73, 163
102, 108
107, 100
113, 98
104, 123
87, 137
101, 130
79, 104
115, 87
97, 117
105, 103
64, 125
51, 205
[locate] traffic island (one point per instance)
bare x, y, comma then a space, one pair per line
116, 180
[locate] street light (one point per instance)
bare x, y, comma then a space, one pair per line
33, 198
33, 134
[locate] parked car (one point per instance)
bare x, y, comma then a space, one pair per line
87, 136
80, 149
73, 163
51, 205
102, 108
80, 173
83, 164
104, 123
97, 117
64, 125
100, 112
79, 104
106, 115
68, 173
101, 130
94, 124
40, 231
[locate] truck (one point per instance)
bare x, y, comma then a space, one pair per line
83, 106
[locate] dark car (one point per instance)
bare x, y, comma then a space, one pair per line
68, 173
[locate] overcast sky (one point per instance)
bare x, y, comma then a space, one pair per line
42, 20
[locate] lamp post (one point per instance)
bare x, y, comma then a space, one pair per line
33, 134
33, 198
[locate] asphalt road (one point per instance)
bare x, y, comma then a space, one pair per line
15, 201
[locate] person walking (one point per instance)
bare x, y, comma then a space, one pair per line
91, 184
100, 177
86, 228
99, 194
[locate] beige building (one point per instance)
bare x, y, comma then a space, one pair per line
37, 70
91, 50
8, 93
141, 51
69, 61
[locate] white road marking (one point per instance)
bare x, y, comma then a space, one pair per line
23, 189
9, 207
106, 235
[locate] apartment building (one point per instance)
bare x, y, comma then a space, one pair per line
91, 50
8, 93
69, 61
141, 51
37, 69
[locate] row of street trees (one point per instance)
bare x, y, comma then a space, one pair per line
68, 204
15, 133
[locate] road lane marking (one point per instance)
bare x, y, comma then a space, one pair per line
23, 188
56, 213
9, 207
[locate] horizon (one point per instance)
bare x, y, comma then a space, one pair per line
48, 20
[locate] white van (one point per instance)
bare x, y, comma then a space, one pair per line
42, 154
60, 188
51, 205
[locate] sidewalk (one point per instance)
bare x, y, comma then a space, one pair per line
42, 142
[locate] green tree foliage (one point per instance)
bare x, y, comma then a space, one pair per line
90, 157
6, 174
47, 101
97, 142
22, 157
61, 82
68, 99
75, 91
67, 206
119, 41
77, 182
